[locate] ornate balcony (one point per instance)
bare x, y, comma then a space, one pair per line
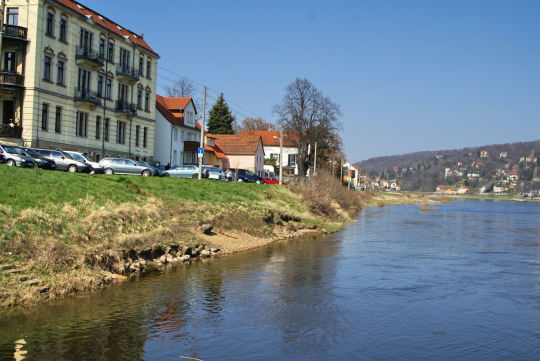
127, 73
125, 107
9, 78
88, 96
89, 57
14, 31
10, 131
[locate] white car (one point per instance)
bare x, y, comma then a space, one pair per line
96, 167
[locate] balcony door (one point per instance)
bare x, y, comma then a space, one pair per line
10, 65
84, 80
8, 111
123, 92
86, 39
124, 58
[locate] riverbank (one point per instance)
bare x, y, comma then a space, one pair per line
67, 233
381, 199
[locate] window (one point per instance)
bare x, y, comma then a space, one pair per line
120, 132
60, 74
123, 92
47, 68
145, 136
13, 16
137, 131
292, 160
139, 99
98, 127
45, 117
108, 88
102, 47
100, 85
147, 102
9, 62
106, 129
175, 134
49, 30
84, 79
86, 38
141, 64
182, 135
63, 29
58, 120
81, 124
125, 55
149, 69
110, 52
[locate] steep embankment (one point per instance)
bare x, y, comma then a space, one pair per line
65, 233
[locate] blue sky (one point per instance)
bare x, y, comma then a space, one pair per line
409, 75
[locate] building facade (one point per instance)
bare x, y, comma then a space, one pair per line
271, 144
75, 80
177, 135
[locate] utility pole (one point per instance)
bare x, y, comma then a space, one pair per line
341, 171
281, 156
315, 160
202, 133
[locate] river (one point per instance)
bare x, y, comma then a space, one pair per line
460, 282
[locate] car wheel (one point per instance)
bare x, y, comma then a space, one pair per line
258, 181
109, 171
72, 168
240, 180
166, 174
146, 173
11, 163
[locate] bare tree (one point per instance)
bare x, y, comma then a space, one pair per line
307, 112
182, 87
256, 124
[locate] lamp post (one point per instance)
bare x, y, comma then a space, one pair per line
280, 155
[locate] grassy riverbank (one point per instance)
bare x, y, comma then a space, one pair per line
65, 233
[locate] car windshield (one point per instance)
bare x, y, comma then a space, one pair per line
30, 152
13, 150
78, 157
143, 164
67, 155
249, 173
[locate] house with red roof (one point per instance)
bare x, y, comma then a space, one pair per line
243, 151
177, 134
271, 144
87, 82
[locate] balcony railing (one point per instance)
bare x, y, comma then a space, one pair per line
87, 96
10, 131
9, 78
127, 71
87, 54
126, 107
14, 31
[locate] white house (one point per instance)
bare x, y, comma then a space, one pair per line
270, 140
177, 135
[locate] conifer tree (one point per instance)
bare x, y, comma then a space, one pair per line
220, 120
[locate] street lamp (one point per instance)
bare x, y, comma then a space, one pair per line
280, 155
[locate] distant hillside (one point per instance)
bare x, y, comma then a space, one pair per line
425, 170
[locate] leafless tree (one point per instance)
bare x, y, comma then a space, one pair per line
182, 87
256, 124
314, 117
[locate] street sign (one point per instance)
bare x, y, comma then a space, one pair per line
200, 152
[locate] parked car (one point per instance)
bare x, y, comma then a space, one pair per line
244, 175
182, 171
41, 162
155, 170
64, 161
125, 166
273, 180
15, 156
212, 172
96, 168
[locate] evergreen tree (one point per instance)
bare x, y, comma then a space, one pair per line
220, 120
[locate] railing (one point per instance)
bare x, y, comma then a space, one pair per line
8, 78
14, 31
126, 70
123, 106
87, 95
88, 54
10, 131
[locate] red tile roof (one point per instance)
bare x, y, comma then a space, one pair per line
172, 108
271, 137
106, 23
217, 151
237, 144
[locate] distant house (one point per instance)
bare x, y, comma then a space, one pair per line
462, 190
513, 175
440, 189
484, 154
503, 155
237, 151
176, 135
471, 175
498, 189
271, 141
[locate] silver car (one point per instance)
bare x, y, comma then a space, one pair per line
96, 168
15, 156
182, 171
125, 166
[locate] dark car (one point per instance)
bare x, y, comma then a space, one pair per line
40, 161
244, 175
64, 161
15, 156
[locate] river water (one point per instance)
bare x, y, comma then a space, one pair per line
461, 282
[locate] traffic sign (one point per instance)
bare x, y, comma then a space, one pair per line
200, 152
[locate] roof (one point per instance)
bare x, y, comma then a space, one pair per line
237, 144
217, 151
271, 137
106, 23
170, 108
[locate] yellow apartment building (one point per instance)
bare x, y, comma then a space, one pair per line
73, 79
